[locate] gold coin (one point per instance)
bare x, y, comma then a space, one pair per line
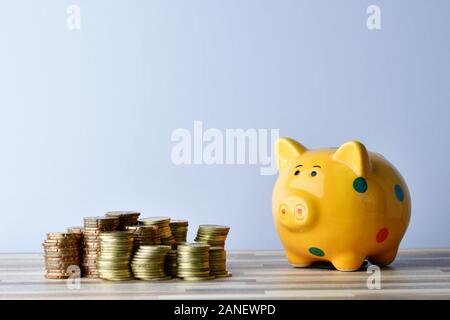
198, 278
156, 279
123, 214
60, 235
57, 276
223, 275
60, 242
155, 220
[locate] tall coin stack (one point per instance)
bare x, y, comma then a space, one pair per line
215, 236
218, 262
193, 262
148, 263
179, 230
61, 250
171, 262
212, 234
116, 249
93, 227
144, 235
126, 218
164, 229
78, 233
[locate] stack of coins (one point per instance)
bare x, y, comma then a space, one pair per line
61, 250
78, 232
218, 262
193, 262
212, 234
93, 227
144, 235
148, 263
126, 218
116, 249
179, 230
171, 263
163, 227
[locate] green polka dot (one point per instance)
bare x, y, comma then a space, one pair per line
360, 185
399, 192
316, 252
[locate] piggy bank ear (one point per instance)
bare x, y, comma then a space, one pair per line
287, 149
354, 154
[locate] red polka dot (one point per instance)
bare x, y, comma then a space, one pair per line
382, 235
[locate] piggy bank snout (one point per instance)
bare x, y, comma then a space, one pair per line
299, 212
295, 212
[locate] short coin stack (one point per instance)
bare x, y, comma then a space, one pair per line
126, 218
164, 229
93, 227
148, 263
212, 234
179, 230
144, 235
116, 249
218, 262
61, 250
193, 262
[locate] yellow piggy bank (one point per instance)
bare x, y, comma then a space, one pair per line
341, 205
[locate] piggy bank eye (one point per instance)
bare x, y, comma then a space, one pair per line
297, 172
313, 173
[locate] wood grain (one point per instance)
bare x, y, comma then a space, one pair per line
415, 274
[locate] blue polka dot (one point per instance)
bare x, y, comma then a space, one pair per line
360, 185
399, 192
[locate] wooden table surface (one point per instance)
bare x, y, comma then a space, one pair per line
415, 274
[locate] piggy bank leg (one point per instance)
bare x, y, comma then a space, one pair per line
385, 258
348, 261
298, 261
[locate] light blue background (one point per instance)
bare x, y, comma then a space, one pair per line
86, 117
